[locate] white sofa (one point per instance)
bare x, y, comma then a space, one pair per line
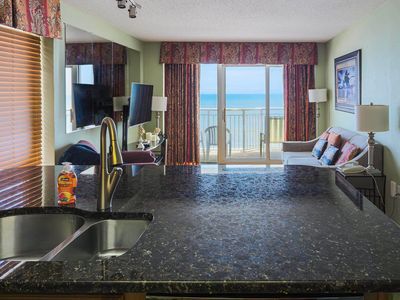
299, 153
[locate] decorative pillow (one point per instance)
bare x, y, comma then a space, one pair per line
319, 148
348, 152
324, 136
334, 139
329, 156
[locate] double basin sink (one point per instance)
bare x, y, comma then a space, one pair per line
67, 236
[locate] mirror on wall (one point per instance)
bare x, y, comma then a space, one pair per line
95, 72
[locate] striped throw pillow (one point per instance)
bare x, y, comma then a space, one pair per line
330, 155
319, 148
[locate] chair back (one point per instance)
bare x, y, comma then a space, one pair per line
211, 134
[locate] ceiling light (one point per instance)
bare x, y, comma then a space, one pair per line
133, 7
121, 3
132, 11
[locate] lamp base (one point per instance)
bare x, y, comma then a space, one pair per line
141, 131
371, 144
371, 170
140, 145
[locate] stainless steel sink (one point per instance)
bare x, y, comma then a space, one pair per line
103, 239
30, 237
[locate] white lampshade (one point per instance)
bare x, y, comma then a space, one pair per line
119, 102
317, 95
159, 104
372, 118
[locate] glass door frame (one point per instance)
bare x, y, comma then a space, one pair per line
221, 82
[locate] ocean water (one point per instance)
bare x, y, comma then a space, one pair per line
245, 101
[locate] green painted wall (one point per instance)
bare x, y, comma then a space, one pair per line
320, 83
153, 70
153, 73
378, 37
99, 27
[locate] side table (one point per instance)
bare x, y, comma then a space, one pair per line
365, 184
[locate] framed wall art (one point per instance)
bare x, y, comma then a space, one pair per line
348, 81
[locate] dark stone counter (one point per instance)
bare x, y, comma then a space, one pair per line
228, 230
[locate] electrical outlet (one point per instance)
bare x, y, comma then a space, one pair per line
393, 188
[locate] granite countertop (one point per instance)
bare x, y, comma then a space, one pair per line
228, 230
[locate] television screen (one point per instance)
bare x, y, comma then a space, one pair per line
140, 104
92, 103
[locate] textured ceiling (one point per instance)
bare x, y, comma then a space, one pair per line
233, 20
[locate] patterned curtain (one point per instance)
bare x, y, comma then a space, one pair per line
6, 14
182, 87
108, 59
239, 53
112, 76
299, 113
95, 53
42, 17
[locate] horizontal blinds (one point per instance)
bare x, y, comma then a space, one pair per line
20, 99
20, 119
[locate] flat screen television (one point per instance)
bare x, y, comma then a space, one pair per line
92, 103
140, 104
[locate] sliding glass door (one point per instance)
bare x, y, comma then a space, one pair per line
275, 116
241, 113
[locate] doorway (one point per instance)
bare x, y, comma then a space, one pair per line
241, 114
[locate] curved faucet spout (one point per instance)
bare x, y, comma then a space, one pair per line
108, 179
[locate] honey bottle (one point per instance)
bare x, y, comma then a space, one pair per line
66, 185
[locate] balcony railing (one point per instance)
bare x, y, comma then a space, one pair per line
246, 126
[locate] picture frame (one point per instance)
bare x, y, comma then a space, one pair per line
348, 81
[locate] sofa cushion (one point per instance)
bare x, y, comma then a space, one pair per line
348, 152
345, 134
334, 139
359, 140
303, 161
319, 148
330, 155
289, 155
325, 135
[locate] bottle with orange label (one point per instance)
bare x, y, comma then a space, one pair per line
66, 185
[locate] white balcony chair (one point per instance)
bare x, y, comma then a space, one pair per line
211, 139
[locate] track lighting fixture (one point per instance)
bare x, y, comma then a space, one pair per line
133, 7
121, 3
132, 11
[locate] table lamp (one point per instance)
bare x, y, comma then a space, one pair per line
372, 118
317, 96
159, 104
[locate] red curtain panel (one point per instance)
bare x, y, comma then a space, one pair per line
182, 87
42, 17
299, 113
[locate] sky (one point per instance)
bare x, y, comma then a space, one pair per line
241, 80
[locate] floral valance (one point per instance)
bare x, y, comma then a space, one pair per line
238, 53
95, 54
42, 17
